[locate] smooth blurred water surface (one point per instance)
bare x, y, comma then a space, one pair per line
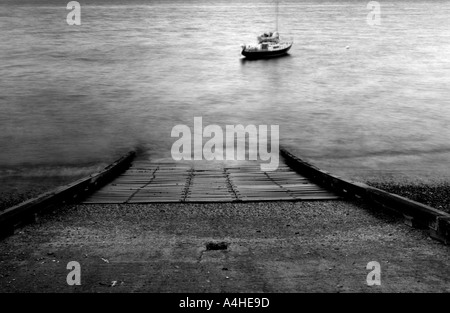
134, 69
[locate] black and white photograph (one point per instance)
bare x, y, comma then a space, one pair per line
218, 153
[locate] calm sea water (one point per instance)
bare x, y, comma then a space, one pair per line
76, 95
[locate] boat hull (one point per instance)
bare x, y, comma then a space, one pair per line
264, 54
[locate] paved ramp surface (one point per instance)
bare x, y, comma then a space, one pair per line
170, 181
302, 246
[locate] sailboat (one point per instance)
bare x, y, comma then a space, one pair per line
269, 45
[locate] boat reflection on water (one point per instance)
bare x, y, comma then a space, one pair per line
267, 59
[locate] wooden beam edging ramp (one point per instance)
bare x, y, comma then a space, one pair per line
416, 214
27, 211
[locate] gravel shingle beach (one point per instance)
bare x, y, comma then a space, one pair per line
436, 195
14, 190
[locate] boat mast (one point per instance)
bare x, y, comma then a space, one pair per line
276, 28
